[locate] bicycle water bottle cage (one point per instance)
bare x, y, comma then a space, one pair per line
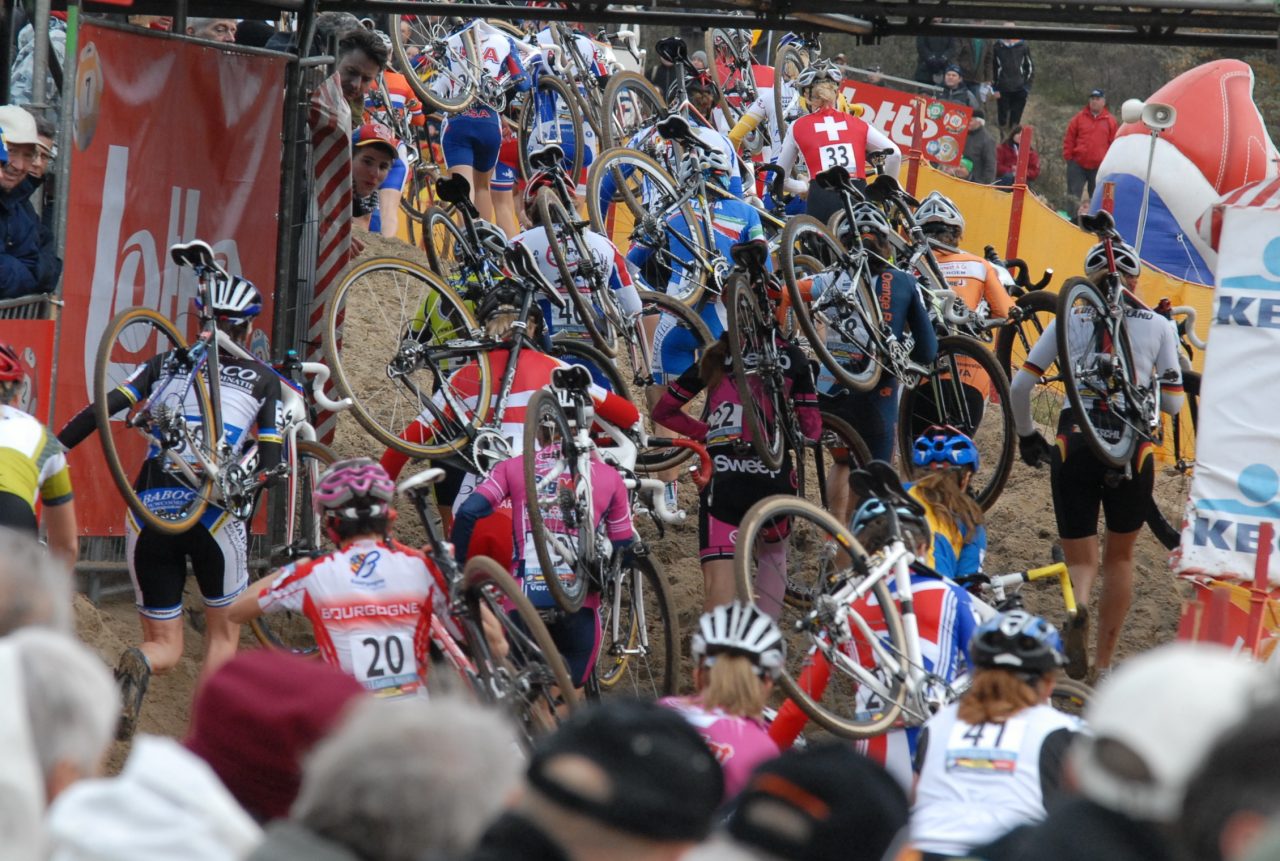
454, 189
750, 256
195, 254
672, 49
574, 378
1100, 222
546, 157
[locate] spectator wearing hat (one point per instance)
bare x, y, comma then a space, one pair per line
954, 90
252, 723
49, 269
1089, 136
19, 228
400, 784
980, 149
374, 150
622, 779
1011, 74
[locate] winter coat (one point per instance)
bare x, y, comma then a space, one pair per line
1088, 137
933, 55
20, 267
974, 60
1011, 69
980, 148
1007, 161
960, 95
21, 82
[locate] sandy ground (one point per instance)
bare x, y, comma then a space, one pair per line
1020, 529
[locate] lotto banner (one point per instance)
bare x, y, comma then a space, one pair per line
33, 340
945, 124
1236, 486
173, 141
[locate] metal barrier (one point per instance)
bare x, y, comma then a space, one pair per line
38, 307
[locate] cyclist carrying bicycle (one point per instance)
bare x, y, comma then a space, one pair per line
955, 517
1081, 482
737, 654
370, 601
993, 760
946, 618
217, 547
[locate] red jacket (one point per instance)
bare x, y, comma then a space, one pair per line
1088, 137
1007, 161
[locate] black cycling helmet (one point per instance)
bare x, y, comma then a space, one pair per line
503, 298
1017, 641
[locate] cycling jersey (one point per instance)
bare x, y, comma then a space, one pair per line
370, 604
738, 743
956, 551
404, 102
978, 782
976, 281
945, 615
32, 463
830, 138
762, 110
499, 56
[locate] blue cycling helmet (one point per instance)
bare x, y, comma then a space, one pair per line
873, 509
945, 446
1017, 641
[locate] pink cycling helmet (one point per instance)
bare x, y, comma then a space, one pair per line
354, 489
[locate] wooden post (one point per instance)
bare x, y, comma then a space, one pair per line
1019, 193
917, 145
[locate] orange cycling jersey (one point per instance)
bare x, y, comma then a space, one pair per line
975, 280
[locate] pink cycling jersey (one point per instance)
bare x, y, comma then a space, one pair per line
738, 743
370, 604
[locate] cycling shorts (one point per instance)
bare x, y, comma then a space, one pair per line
675, 347
874, 415
504, 177
16, 513
1082, 484
730, 494
472, 139
158, 565
577, 637
396, 176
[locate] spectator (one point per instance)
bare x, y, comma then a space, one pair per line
213, 29
374, 152
22, 72
163, 23
35, 587
1011, 75
19, 229
933, 55
329, 28
699, 60
1236, 792
974, 58
399, 783
58, 707
49, 268
361, 55
254, 33
621, 779
980, 149
663, 74
954, 90
252, 723
1132, 771
841, 60
1007, 158
1089, 136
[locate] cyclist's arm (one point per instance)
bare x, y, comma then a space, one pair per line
877, 140
994, 292
246, 607
622, 285
55, 492
753, 117
973, 552
1042, 355
126, 394
283, 590
1171, 395
519, 79
669, 410
615, 409
787, 152
925, 349
791, 719
60, 527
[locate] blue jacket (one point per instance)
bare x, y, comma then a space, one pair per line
20, 254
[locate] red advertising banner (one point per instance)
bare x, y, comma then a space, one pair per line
173, 141
33, 341
945, 124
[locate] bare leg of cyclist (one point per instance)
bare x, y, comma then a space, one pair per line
504, 205
389, 211
161, 642
717, 578
482, 194
221, 638
1081, 556
771, 576
1117, 593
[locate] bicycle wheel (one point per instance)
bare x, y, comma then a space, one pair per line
651, 214
582, 353
842, 314
968, 391
448, 250
440, 74
417, 199
1013, 343
558, 502
640, 647
633, 104
394, 339
862, 698
161, 424
581, 273
665, 317
757, 374
531, 680
1096, 368
1173, 480
788, 63
1070, 696
550, 115
737, 87
824, 473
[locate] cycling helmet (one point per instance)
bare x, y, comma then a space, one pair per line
233, 299
354, 489
492, 238
868, 219
1126, 259
823, 70
1017, 641
874, 509
504, 297
386, 41
740, 629
540, 180
700, 82
938, 209
10, 364
945, 446
717, 164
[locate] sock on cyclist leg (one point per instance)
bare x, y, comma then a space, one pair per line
771, 576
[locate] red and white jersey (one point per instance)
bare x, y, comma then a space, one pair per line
828, 137
370, 605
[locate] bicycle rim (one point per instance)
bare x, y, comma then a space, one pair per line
634, 104
421, 66
1091, 369
1070, 696
643, 657
389, 327
760, 391
447, 247
1014, 342
662, 314
968, 391
550, 115
569, 250
133, 338
788, 63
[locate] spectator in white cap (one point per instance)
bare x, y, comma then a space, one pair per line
19, 229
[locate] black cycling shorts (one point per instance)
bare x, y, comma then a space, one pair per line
1082, 484
158, 566
16, 513
737, 483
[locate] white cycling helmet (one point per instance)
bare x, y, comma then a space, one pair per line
492, 238
823, 70
717, 163
740, 629
868, 218
1126, 259
233, 299
938, 209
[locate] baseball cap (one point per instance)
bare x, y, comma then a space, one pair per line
376, 134
632, 766
1098, 94
258, 715
19, 126
1152, 722
826, 803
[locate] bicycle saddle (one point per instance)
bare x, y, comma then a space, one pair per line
574, 378
1099, 222
879, 480
750, 255
833, 178
196, 254
672, 49
422, 480
525, 269
546, 157
676, 128
453, 188
885, 188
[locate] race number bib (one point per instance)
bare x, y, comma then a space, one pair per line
535, 584
384, 662
724, 423
838, 155
985, 748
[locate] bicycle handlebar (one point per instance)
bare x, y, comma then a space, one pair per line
1055, 570
321, 376
701, 473
1188, 324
